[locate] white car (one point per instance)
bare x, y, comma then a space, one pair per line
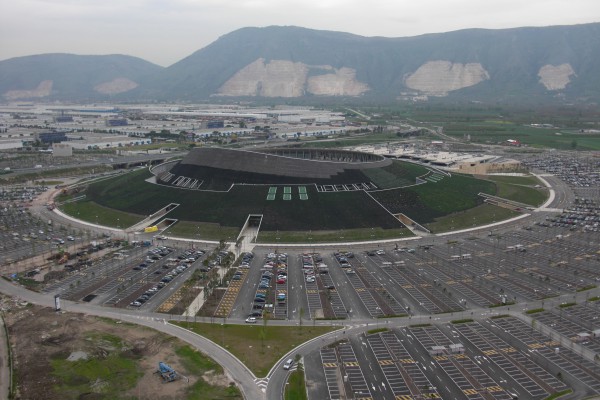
288, 364
251, 320
310, 279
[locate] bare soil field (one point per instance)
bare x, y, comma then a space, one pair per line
76, 356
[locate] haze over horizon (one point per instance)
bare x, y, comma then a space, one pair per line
165, 31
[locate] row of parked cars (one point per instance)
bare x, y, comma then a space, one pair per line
246, 259
274, 269
147, 295
179, 265
245, 263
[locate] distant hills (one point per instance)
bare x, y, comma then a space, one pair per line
558, 63
72, 77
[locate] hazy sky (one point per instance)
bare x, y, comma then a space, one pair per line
165, 31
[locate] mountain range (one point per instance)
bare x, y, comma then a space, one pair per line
557, 63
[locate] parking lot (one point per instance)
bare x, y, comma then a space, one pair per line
497, 358
485, 270
22, 233
136, 278
578, 171
556, 254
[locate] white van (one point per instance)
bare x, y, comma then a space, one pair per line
288, 364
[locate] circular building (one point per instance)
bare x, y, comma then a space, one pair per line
219, 169
337, 192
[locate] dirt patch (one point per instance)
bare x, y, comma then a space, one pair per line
216, 379
212, 302
47, 345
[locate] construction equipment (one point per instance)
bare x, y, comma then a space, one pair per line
166, 372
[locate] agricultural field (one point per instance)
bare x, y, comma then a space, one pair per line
498, 132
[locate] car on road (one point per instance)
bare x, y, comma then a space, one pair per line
288, 364
251, 320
